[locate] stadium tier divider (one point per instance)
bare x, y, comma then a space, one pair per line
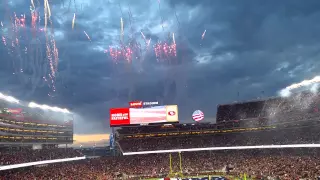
14, 166
225, 148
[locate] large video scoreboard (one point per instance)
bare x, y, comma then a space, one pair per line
30, 125
143, 113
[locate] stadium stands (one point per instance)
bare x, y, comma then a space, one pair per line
306, 135
274, 121
22, 124
25, 155
277, 121
277, 164
277, 109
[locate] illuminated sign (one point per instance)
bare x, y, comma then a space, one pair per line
144, 116
136, 104
140, 104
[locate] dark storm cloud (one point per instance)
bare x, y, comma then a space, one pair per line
250, 46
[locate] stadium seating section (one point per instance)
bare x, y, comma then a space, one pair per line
25, 155
280, 164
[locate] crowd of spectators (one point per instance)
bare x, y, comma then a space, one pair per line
281, 164
166, 128
301, 135
277, 109
288, 164
25, 155
303, 107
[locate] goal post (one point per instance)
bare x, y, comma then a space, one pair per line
171, 172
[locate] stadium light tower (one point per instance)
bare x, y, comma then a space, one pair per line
9, 99
46, 107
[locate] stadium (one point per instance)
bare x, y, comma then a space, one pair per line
159, 90
265, 138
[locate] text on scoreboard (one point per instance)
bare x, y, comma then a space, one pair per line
151, 115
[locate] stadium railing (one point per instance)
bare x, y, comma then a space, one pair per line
225, 148
36, 163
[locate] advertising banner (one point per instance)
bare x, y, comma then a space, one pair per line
16, 113
15, 110
136, 104
141, 104
119, 116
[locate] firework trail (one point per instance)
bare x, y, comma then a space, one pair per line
75, 5
121, 30
146, 41
87, 35
160, 15
30, 64
32, 5
73, 20
121, 24
143, 36
203, 34
130, 22
177, 19
3, 38
47, 13
51, 50
173, 39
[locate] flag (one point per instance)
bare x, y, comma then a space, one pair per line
197, 115
111, 141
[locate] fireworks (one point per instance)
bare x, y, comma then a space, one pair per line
119, 54
165, 51
28, 61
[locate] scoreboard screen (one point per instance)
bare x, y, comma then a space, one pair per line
144, 116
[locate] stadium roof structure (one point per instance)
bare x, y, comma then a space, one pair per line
249, 101
13, 100
259, 99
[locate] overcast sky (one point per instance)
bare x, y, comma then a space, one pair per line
250, 46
